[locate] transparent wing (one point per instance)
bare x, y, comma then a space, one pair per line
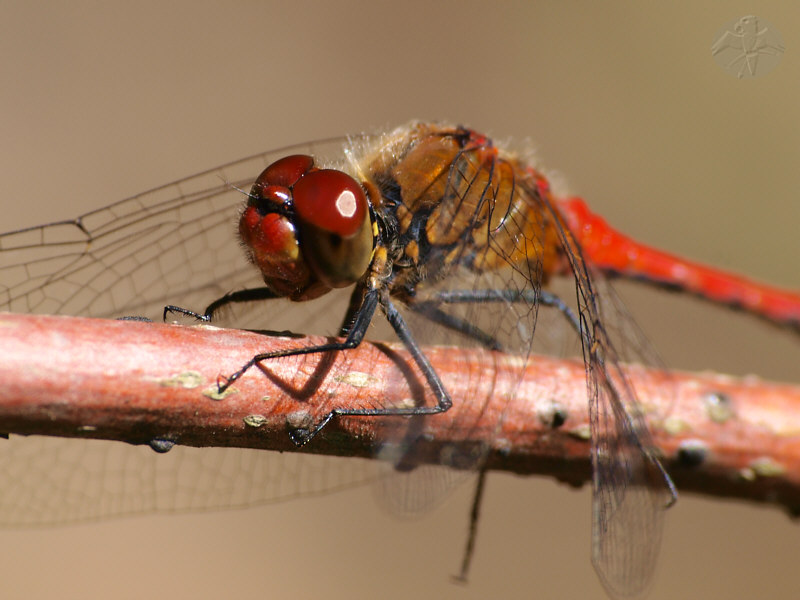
53, 481
173, 245
630, 488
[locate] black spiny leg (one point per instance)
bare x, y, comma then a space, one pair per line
357, 329
354, 338
251, 295
356, 333
430, 309
474, 516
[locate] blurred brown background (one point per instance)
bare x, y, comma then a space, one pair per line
102, 101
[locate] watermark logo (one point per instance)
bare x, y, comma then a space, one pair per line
748, 47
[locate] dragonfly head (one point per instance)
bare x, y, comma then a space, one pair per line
307, 229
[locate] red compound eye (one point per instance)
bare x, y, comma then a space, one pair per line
331, 201
334, 228
307, 229
286, 171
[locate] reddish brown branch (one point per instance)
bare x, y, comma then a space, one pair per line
138, 382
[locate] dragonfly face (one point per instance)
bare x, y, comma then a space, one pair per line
308, 230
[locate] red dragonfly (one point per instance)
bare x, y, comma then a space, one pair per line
432, 224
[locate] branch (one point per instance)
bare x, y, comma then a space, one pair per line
153, 383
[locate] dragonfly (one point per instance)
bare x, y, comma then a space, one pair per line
433, 225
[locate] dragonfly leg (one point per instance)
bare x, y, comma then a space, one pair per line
429, 309
358, 330
474, 517
355, 336
251, 295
